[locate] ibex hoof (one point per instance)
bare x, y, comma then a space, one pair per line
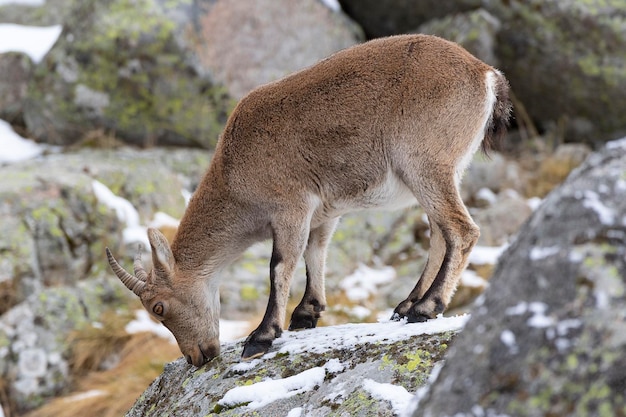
302, 322
417, 317
253, 350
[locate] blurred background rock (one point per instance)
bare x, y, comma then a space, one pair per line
134, 94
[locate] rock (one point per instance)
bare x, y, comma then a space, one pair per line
475, 30
495, 173
391, 17
48, 13
502, 219
249, 44
34, 342
547, 338
120, 66
580, 42
334, 370
54, 229
169, 73
16, 69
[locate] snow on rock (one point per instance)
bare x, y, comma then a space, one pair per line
398, 396
346, 336
128, 214
338, 369
13, 147
34, 41
486, 255
264, 392
364, 282
33, 3
125, 211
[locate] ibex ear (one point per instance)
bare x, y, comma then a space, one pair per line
162, 256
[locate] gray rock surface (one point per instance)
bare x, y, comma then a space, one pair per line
34, 337
319, 372
547, 338
16, 69
580, 44
163, 72
564, 59
391, 17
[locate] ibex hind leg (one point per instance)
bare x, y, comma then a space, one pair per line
433, 265
309, 310
452, 226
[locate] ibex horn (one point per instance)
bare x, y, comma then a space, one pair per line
133, 283
140, 272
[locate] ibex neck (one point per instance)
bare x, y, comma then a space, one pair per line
214, 229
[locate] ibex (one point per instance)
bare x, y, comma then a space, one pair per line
384, 124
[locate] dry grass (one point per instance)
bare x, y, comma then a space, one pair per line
111, 393
550, 173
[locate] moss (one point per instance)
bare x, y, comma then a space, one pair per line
131, 58
249, 292
358, 403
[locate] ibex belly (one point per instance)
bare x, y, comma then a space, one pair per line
391, 194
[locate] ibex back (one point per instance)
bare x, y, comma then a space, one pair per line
384, 124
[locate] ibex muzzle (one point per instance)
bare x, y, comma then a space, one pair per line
386, 124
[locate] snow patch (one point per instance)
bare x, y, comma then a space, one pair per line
364, 282
14, 148
34, 41
537, 253
472, 280
485, 194
332, 5
534, 203
125, 212
397, 395
295, 412
591, 200
346, 336
32, 3
84, 395
486, 255
262, 393
538, 319
507, 337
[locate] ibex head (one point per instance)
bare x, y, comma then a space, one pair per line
191, 314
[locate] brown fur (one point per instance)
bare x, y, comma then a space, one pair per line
380, 125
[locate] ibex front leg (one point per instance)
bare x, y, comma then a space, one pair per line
290, 235
313, 302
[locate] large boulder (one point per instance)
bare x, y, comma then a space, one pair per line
565, 61
35, 342
54, 226
391, 17
547, 338
359, 369
160, 72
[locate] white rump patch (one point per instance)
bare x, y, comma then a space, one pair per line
490, 101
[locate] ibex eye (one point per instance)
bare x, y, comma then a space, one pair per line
158, 309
